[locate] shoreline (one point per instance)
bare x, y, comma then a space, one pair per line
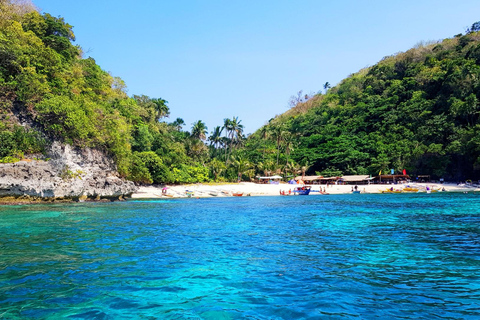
254, 189
245, 189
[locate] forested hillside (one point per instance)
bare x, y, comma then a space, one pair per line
417, 110
50, 92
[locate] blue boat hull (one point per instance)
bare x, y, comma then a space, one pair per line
302, 192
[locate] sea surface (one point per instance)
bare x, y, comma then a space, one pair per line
355, 256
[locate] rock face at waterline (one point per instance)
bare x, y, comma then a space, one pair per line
68, 173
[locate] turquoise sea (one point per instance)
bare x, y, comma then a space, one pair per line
355, 256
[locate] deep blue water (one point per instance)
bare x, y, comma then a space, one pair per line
317, 257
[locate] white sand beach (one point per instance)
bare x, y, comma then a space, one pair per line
254, 189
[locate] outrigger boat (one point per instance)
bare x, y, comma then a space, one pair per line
391, 190
189, 193
302, 191
237, 194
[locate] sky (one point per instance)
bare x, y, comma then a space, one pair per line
213, 59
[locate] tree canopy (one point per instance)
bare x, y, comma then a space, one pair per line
418, 110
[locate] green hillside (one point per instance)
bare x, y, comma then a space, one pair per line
417, 110
50, 92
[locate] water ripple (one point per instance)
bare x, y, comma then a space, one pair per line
336, 257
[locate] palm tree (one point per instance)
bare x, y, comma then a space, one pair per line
264, 133
242, 165
290, 167
268, 167
305, 168
178, 123
227, 126
199, 130
216, 137
234, 131
288, 138
237, 127
217, 167
326, 86
161, 108
196, 149
239, 141
157, 107
278, 133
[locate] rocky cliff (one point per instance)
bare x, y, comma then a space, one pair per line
66, 173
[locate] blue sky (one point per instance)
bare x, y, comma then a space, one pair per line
216, 59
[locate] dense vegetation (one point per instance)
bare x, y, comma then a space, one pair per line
55, 94
417, 110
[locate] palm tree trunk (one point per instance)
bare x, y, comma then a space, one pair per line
226, 159
278, 150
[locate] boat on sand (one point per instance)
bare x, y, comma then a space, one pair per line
302, 191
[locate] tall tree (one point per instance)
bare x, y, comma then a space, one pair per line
236, 133
216, 136
199, 130
326, 86
241, 165
161, 108
178, 124
474, 28
227, 125
216, 139
278, 133
264, 133
217, 167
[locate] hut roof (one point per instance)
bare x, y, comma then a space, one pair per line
396, 176
356, 178
330, 178
308, 178
270, 178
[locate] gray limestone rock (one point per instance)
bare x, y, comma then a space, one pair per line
69, 173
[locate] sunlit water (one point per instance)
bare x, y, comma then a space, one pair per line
307, 257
